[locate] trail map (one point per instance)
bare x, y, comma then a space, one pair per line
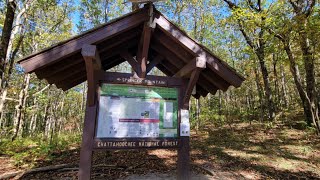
127, 111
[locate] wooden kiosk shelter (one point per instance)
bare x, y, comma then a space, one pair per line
145, 39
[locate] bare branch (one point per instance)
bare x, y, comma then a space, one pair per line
231, 4
37, 93
295, 6
309, 9
12, 99
279, 36
247, 38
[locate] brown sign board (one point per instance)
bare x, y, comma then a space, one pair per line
137, 113
112, 130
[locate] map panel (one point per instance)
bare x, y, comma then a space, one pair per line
127, 111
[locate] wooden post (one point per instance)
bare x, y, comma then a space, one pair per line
92, 60
183, 164
87, 143
184, 159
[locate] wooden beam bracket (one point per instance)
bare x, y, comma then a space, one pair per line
129, 58
198, 62
192, 83
195, 67
154, 62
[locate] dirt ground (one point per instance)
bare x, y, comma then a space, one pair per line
242, 151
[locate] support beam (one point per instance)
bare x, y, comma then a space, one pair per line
153, 63
87, 142
192, 82
129, 58
143, 50
91, 56
198, 62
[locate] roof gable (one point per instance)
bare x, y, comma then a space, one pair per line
170, 50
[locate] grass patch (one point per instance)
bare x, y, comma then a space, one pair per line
29, 150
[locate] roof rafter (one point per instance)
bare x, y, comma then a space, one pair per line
68, 48
215, 64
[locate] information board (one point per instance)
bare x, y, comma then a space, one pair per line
132, 111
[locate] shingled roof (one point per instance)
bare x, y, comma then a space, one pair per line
170, 50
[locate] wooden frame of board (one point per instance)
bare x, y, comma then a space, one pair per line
90, 143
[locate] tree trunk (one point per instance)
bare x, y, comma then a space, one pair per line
306, 103
283, 87
277, 94
18, 118
265, 76
260, 93
2, 100
5, 37
310, 73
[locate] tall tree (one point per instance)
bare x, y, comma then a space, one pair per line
6, 34
303, 9
256, 41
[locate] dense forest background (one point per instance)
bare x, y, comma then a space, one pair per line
274, 44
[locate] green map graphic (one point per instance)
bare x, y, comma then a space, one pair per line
127, 111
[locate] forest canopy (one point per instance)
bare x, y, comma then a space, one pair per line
274, 44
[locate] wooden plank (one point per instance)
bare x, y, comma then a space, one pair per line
214, 63
192, 82
201, 90
66, 74
172, 45
129, 58
113, 63
170, 56
154, 62
129, 45
197, 62
57, 53
164, 70
79, 78
143, 50
214, 80
115, 44
207, 86
62, 84
123, 78
119, 40
58, 67
73, 83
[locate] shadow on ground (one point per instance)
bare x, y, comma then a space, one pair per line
280, 153
241, 151
121, 164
